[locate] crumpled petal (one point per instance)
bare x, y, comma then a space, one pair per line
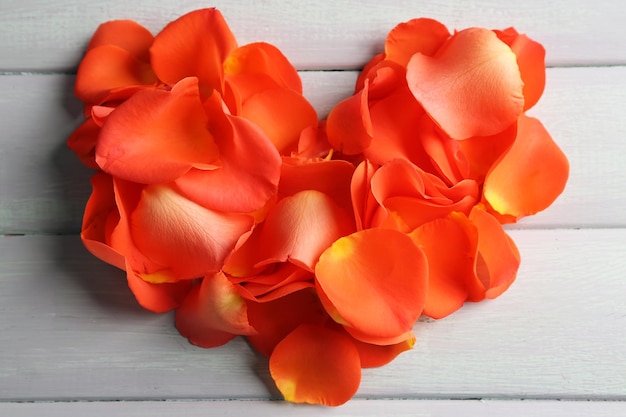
83, 140
422, 35
195, 45
156, 136
471, 87
127, 34
375, 281
530, 175
316, 365
213, 313
158, 298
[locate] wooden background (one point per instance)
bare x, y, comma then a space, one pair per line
73, 341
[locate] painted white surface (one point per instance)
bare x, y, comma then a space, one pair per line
330, 34
70, 329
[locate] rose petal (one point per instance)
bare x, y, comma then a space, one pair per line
498, 259
450, 245
376, 280
530, 175
300, 227
213, 313
158, 298
83, 140
188, 239
422, 35
349, 126
373, 356
248, 177
109, 67
194, 45
275, 319
157, 136
531, 60
127, 34
471, 87
282, 114
316, 365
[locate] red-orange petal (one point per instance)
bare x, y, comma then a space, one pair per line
373, 356
158, 298
348, 126
422, 35
498, 259
83, 142
471, 87
156, 136
100, 217
376, 281
182, 236
300, 227
282, 114
274, 320
248, 177
530, 175
127, 34
213, 313
109, 67
316, 365
531, 57
194, 45
265, 59
450, 245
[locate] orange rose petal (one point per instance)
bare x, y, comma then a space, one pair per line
183, 236
284, 279
248, 177
364, 203
275, 319
266, 59
194, 45
331, 177
530, 175
420, 35
373, 356
127, 34
498, 258
367, 71
349, 126
83, 140
316, 365
109, 67
450, 245
471, 87
138, 146
282, 114
300, 227
158, 298
531, 57
482, 151
213, 313
100, 216
376, 279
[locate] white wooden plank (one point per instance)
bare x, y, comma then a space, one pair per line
43, 187
48, 35
69, 329
362, 408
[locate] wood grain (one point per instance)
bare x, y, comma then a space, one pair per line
362, 408
48, 35
70, 329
